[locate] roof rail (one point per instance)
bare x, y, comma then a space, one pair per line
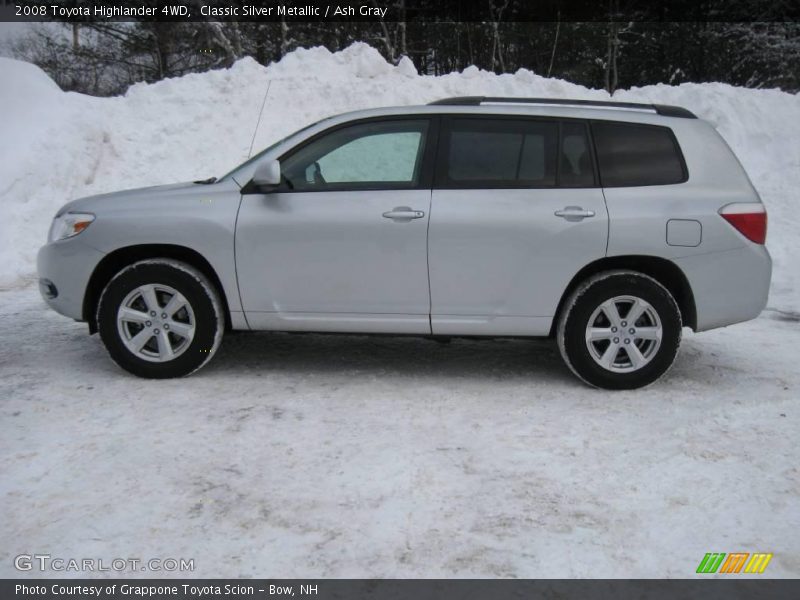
661, 109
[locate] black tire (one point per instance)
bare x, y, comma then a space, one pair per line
622, 374
206, 316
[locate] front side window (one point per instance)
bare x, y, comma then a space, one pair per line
373, 155
635, 155
499, 153
251, 162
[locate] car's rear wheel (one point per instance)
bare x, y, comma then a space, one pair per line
620, 330
160, 318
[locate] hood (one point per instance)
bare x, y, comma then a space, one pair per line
92, 203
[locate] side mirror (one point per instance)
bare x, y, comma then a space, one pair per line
267, 175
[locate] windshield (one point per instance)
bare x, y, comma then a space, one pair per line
269, 148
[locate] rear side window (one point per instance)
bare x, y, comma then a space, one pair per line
499, 153
636, 155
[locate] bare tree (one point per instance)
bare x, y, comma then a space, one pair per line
388, 44
228, 39
496, 15
610, 72
555, 43
286, 39
394, 36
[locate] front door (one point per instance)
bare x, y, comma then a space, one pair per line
342, 244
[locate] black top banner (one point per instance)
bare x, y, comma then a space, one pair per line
409, 11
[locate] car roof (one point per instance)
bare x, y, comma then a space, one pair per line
661, 109
543, 107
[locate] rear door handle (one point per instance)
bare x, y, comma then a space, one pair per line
573, 213
403, 214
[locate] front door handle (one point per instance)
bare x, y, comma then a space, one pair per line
573, 213
403, 214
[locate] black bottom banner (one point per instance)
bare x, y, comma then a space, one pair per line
398, 589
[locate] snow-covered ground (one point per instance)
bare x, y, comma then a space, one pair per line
347, 456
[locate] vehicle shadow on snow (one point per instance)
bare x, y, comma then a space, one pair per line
537, 360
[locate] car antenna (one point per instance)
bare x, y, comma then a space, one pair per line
263, 104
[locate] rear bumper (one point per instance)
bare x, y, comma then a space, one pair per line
728, 287
64, 270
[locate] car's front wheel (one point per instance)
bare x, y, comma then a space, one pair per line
160, 318
620, 330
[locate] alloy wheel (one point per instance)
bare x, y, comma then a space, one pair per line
624, 334
156, 322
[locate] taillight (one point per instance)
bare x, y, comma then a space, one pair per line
749, 219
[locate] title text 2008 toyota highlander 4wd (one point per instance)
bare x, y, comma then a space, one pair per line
608, 226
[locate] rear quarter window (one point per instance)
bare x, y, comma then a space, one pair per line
637, 155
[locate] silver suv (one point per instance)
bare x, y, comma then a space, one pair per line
607, 226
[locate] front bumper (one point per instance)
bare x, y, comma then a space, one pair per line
64, 270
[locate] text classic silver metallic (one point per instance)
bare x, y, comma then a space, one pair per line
607, 226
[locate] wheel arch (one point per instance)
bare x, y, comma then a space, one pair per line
113, 262
666, 272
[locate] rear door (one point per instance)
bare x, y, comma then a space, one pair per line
516, 212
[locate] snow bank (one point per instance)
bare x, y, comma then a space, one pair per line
56, 146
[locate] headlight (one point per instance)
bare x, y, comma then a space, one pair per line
69, 225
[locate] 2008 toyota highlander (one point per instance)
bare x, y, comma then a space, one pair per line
608, 226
